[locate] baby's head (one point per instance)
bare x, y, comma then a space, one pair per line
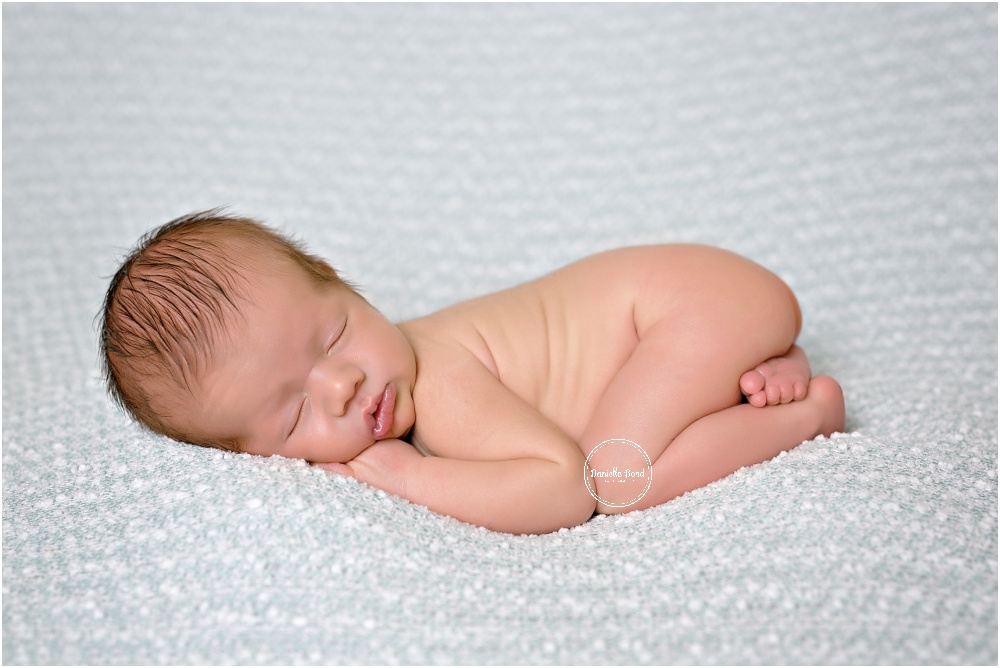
222, 332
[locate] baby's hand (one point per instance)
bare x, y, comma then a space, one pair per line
334, 467
382, 465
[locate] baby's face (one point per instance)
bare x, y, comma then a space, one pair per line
308, 373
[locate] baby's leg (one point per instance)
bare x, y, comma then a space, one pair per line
706, 317
721, 443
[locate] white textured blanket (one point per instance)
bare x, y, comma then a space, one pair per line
438, 152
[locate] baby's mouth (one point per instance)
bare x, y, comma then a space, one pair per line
381, 417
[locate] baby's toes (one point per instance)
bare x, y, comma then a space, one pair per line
751, 383
773, 392
799, 391
787, 392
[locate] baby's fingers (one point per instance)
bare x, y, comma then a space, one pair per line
334, 467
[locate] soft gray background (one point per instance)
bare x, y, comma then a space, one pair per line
437, 152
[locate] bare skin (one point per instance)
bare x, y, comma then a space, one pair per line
496, 402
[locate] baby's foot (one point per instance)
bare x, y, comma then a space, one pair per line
778, 380
825, 392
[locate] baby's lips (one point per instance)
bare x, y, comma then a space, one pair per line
381, 423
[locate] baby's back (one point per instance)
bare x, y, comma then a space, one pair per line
556, 341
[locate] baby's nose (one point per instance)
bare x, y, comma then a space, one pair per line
338, 385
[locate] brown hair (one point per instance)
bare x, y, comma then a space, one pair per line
169, 301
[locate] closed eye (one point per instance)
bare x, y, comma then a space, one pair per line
298, 417
337, 338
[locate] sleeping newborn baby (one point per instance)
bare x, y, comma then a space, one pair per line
614, 384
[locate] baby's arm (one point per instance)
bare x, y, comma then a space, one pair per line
501, 464
526, 495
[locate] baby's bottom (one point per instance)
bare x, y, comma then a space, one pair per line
678, 395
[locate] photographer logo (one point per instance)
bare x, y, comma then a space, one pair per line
618, 472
